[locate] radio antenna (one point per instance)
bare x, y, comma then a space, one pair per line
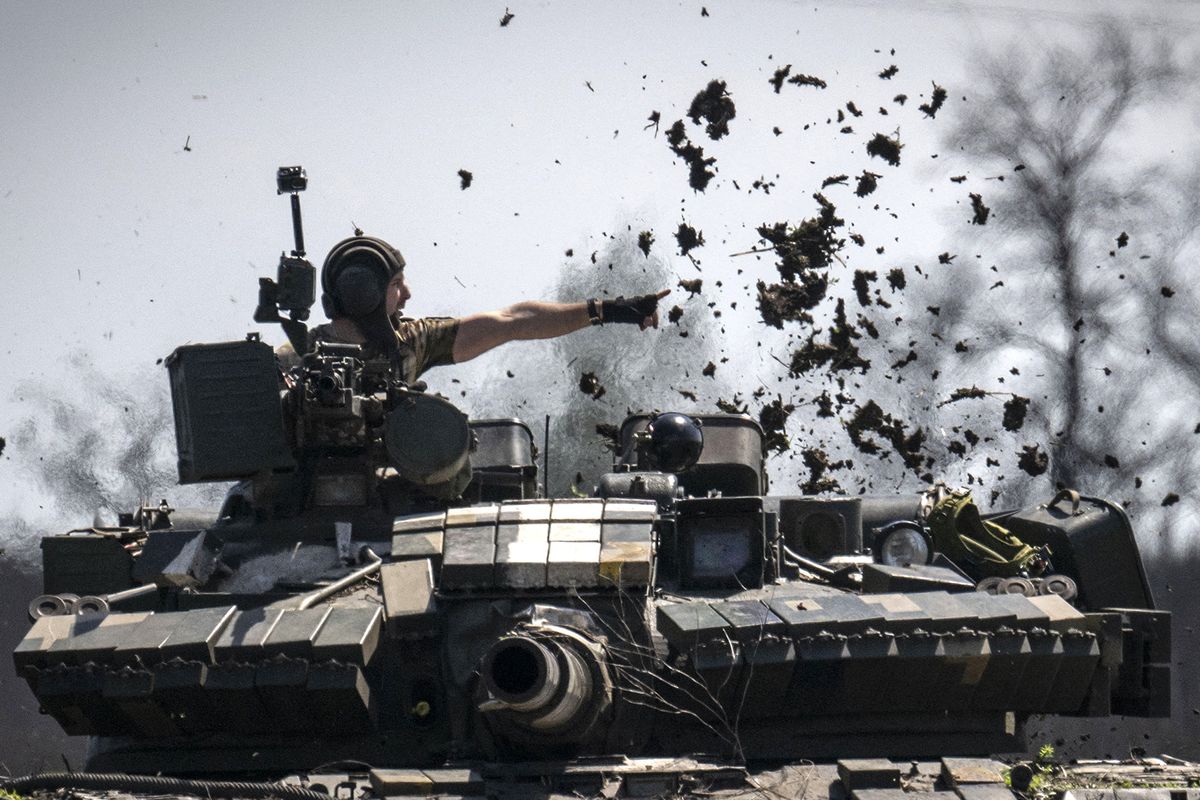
546, 457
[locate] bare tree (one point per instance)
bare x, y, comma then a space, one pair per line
1048, 127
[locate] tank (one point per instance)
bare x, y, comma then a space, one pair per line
387, 584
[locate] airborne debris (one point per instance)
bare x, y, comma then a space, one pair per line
809, 246
1167, 291
777, 79
715, 107
675, 314
964, 393
839, 353
889, 73
654, 118
1032, 460
465, 178
979, 209
1111, 461
610, 434
805, 252
1014, 412
773, 418
886, 148
699, 173
807, 80
786, 302
835, 179
710, 369
507, 18
862, 281
946, 258
872, 419
867, 183
1123, 239
589, 384
693, 286
688, 238
900, 99
935, 102
2, 444
853, 109
1171, 499
818, 463
645, 239
896, 279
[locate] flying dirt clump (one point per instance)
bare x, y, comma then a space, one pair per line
589, 384
773, 417
699, 173
781, 74
715, 107
885, 147
805, 253
688, 238
964, 393
789, 302
868, 182
862, 285
839, 354
610, 435
872, 419
1014, 412
935, 102
807, 80
645, 239
979, 210
464, 179
818, 463
1033, 460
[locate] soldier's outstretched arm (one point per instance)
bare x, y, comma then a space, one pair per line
479, 333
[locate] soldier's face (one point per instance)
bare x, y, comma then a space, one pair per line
396, 294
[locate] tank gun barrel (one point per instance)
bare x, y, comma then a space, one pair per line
543, 683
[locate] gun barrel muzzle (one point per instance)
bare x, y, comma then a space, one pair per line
544, 681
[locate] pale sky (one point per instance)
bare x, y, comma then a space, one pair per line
120, 244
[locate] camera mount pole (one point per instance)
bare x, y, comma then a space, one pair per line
294, 287
297, 226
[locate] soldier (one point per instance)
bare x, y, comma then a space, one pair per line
364, 292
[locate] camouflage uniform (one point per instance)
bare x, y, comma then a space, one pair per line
424, 343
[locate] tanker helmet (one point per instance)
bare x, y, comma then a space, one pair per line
355, 275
